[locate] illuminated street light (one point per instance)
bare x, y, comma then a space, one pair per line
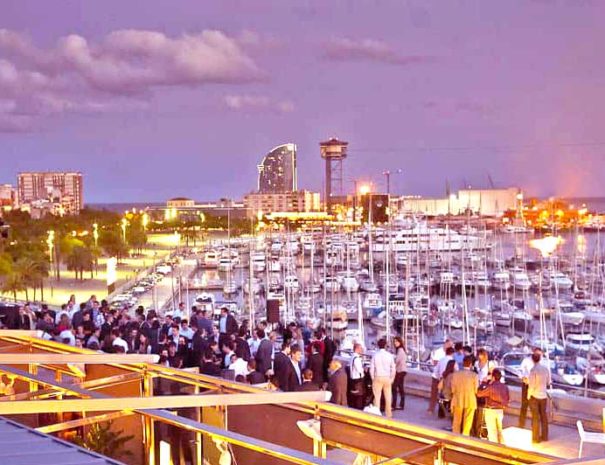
95, 233
50, 241
364, 189
145, 220
123, 224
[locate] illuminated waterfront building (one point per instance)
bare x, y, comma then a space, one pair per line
485, 202
277, 171
299, 201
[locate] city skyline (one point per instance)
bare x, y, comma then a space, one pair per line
459, 93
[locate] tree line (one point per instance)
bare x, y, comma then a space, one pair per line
28, 257
37, 248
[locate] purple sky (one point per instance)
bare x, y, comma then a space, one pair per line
155, 98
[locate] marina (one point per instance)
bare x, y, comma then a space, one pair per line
492, 290
310, 233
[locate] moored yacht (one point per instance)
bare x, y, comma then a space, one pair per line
521, 280
501, 280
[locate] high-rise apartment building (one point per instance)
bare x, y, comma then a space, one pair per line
277, 171
60, 188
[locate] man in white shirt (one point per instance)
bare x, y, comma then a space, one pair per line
239, 366
382, 371
537, 394
439, 353
67, 336
484, 366
437, 375
254, 342
524, 369
357, 375
118, 341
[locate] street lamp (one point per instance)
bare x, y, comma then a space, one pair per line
123, 225
50, 242
95, 233
364, 189
387, 174
145, 220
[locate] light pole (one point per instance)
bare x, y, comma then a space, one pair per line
50, 241
365, 189
95, 233
387, 175
123, 225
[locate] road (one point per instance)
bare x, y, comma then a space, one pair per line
160, 295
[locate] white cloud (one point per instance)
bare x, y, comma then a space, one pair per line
257, 103
344, 49
76, 75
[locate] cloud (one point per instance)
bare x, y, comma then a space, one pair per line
75, 75
343, 49
257, 103
257, 42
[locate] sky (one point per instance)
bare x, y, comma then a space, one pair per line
160, 98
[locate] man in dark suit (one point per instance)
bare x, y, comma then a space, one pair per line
203, 322
264, 353
242, 348
329, 351
282, 366
227, 325
337, 384
316, 364
255, 376
307, 383
293, 377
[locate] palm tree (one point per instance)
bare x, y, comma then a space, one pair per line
189, 232
79, 260
32, 270
136, 237
96, 253
13, 283
113, 245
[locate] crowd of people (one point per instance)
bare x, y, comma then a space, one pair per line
470, 388
289, 358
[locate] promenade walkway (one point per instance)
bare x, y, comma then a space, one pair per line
57, 293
